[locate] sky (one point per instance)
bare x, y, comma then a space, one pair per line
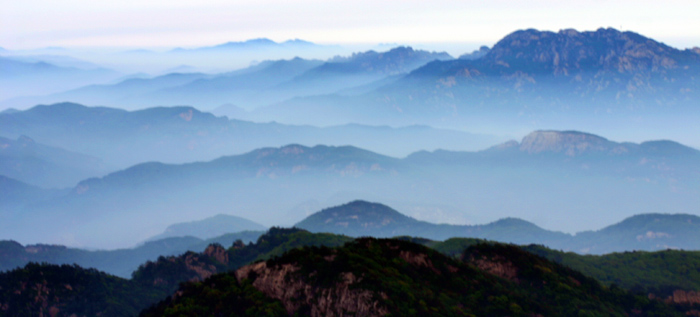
31, 24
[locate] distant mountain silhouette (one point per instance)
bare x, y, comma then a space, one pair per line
210, 227
184, 134
567, 78
21, 77
476, 54
266, 83
45, 166
650, 232
252, 44
642, 232
15, 193
598, 183
361, 218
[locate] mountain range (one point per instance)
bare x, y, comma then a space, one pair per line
209, 228
183, 134
40, 165
287, 271
31, 77
605, 79
265, 83
617, 83
588, 180
648, 232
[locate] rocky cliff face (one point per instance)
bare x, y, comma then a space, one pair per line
280, 282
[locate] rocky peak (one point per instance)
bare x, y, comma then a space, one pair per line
571, 143
570, 50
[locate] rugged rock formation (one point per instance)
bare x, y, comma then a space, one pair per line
280, 282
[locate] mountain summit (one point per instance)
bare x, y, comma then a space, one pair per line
569, 50
568, 142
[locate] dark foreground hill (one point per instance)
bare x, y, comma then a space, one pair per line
373, 277
274, 276
120, 262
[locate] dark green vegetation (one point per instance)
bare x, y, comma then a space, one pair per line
69, 287
168, 272
379, 277
117, 262
52, 290
292, 269
219, 295
661, 273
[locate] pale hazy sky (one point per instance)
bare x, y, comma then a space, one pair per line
27, 24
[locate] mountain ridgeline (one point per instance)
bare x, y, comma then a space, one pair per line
530, 79
288, 270
182, 134
591, 181
650, 232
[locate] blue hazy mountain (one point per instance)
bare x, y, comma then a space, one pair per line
266, 83
565, 181
21, 77
121, 93
209, 228
275, 81
183, 134
648, 232
45, 166
476, 54
642, 232
365, 219
360, 69
14, 193
120, 262
252, 44
621, 81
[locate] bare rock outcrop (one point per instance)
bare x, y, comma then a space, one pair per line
280, 282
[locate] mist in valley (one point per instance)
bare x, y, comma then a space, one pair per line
107, 147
